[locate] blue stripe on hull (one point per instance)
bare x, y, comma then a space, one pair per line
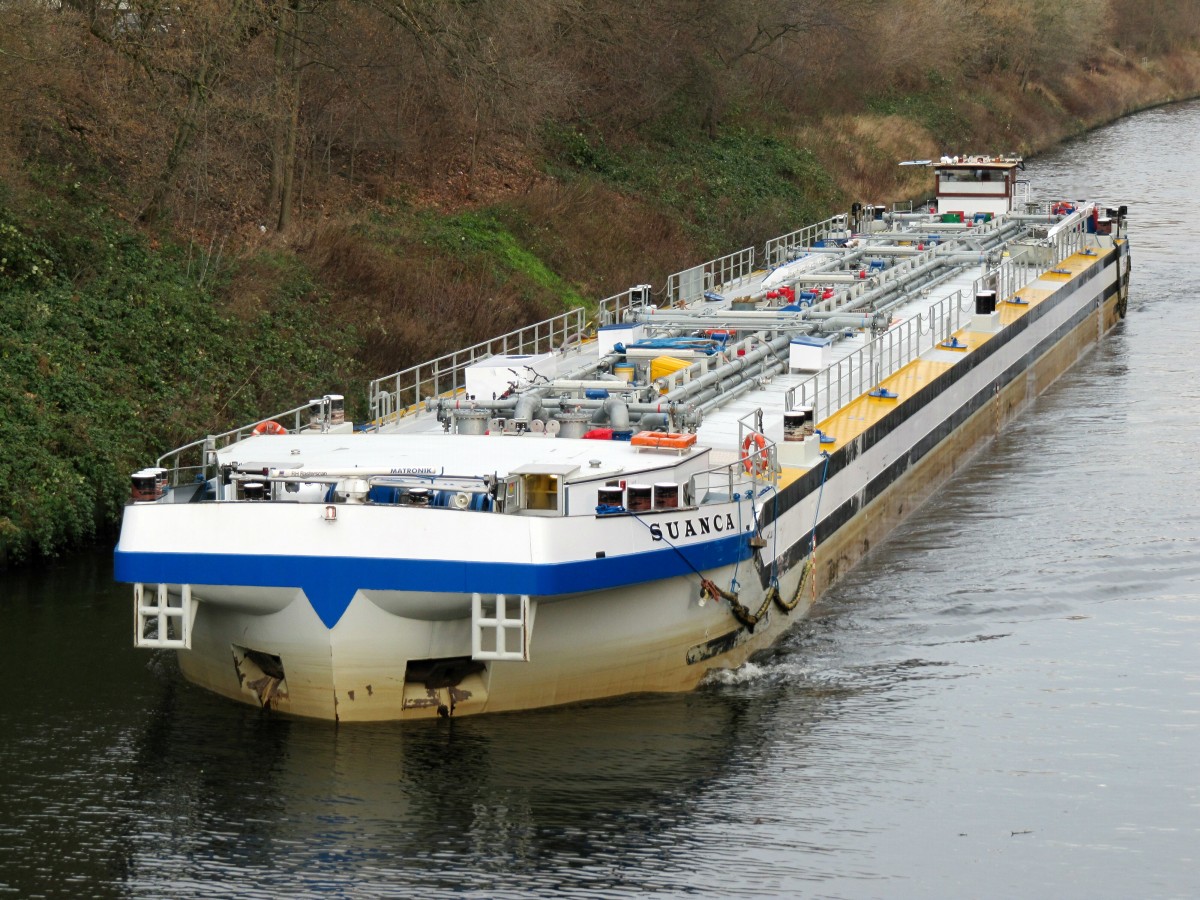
330, 582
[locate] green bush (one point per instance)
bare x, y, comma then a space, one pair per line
102, 372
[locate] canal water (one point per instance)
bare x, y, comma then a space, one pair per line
1001, 701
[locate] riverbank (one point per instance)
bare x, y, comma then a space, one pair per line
997, 114
119, 339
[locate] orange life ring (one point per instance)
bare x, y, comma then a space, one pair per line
755, 461
269, 428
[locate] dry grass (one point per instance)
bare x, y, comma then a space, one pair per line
412, 302
862, 153
1117, 85
411, 306
599, 239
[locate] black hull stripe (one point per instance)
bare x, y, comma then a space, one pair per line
846, 455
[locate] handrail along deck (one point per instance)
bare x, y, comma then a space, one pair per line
841, 382
779, 250
401, 393
176, 462
689, 285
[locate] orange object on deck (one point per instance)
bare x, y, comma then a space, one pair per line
665, 440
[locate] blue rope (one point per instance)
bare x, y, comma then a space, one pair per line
734, 584
775, 543
820, 494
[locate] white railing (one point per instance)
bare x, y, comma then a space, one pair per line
401, 393
1016, 272
758, 457
849, 378
725, 271
183, 463
1010, 276
720, 484
613, 310
780, 250
1071, 235
1021, 194
861, 371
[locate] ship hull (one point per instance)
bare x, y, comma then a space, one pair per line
653, 637
842, 548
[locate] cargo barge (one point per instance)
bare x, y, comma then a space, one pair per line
620, 501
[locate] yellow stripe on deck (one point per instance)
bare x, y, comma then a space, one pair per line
1010, 312
1065, 271
857, 416
860, 414
787, 475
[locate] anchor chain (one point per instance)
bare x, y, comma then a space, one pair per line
742, 613
804, 573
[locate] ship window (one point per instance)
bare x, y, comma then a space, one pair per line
541, 491
539, 488
971, 176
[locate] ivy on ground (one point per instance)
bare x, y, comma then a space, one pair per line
111, 353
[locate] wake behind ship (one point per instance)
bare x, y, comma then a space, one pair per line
581, 509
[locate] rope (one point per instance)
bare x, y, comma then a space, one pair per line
1123, 284
773, 595
708, 588
775, 543
743, 614
734, 584
812, 554
745, 617
740, 612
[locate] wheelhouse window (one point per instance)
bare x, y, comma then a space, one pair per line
971, 176
538, 489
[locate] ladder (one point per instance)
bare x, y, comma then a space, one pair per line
501, 627
1020, 198
162, 620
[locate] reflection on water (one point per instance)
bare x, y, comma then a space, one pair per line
1001, 701
183, 793
148, 786
327, 808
